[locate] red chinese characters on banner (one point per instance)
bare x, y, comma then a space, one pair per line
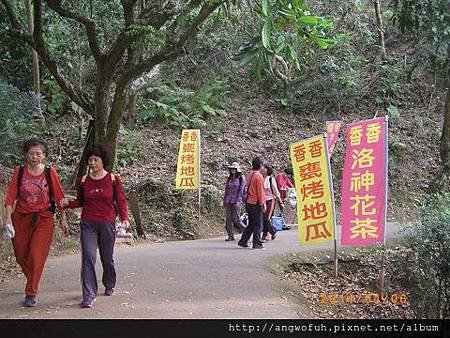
188, 161
333, 129
364, 183
315, 209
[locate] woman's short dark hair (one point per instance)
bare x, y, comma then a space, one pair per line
101, 152
256, 163
34, 142
288, 170
269, 169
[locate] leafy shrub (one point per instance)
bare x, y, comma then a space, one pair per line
182, 107
16, 120
425, 266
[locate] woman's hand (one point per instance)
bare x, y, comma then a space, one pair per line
64, 223
125, 224
64, 203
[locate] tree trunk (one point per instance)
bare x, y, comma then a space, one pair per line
442, 180
37, 114
136, 212
376, 4
119, 104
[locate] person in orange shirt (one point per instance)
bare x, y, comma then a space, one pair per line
35, 191
255, 206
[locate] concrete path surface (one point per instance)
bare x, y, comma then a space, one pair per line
189, 279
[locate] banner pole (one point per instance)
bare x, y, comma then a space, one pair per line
386, 163
336, 261
199, 180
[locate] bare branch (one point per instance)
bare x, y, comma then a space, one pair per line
145, 80
88, 24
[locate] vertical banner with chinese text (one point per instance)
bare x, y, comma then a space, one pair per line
188, 167
315, 202
364, 183
333, 129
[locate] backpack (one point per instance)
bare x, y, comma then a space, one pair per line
80, 194
48, 177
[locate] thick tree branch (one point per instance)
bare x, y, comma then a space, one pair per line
156, 17
170, 51
37, 42
86, 22
128, 11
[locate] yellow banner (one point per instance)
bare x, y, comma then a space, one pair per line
315, 205
188, 168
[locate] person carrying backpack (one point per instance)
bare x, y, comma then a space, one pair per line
32, 196
232, 199
255, 205
272, 194
101, 195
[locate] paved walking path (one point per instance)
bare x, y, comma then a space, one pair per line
189, 279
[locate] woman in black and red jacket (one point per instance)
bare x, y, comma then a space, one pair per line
101, 195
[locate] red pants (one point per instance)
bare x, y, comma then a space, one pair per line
32, 245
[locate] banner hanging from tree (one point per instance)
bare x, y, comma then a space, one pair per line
333, 129
188, 167
364, 183
315, 202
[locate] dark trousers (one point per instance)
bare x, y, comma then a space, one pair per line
267, 223
254, 225
103, 236
232, 218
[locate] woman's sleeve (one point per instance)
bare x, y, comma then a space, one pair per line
275, 189
225, 193
11, 192
290, 184
241, 190
121, 200
57, 188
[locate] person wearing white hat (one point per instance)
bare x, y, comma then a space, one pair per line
232, 199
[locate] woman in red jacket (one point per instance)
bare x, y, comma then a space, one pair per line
101, 195
34, 189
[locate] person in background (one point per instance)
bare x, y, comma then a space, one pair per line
285, 182
272, 195
101, 195
35, 191
232, 199
255, 206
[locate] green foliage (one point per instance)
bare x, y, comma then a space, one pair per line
425, 266
431, 19
16, 122
397, 152
55, 94
285, 29
129, 148
389, 85
182, 107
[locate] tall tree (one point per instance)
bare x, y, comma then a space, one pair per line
379, 20
119, 55
429, 20
35, 62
